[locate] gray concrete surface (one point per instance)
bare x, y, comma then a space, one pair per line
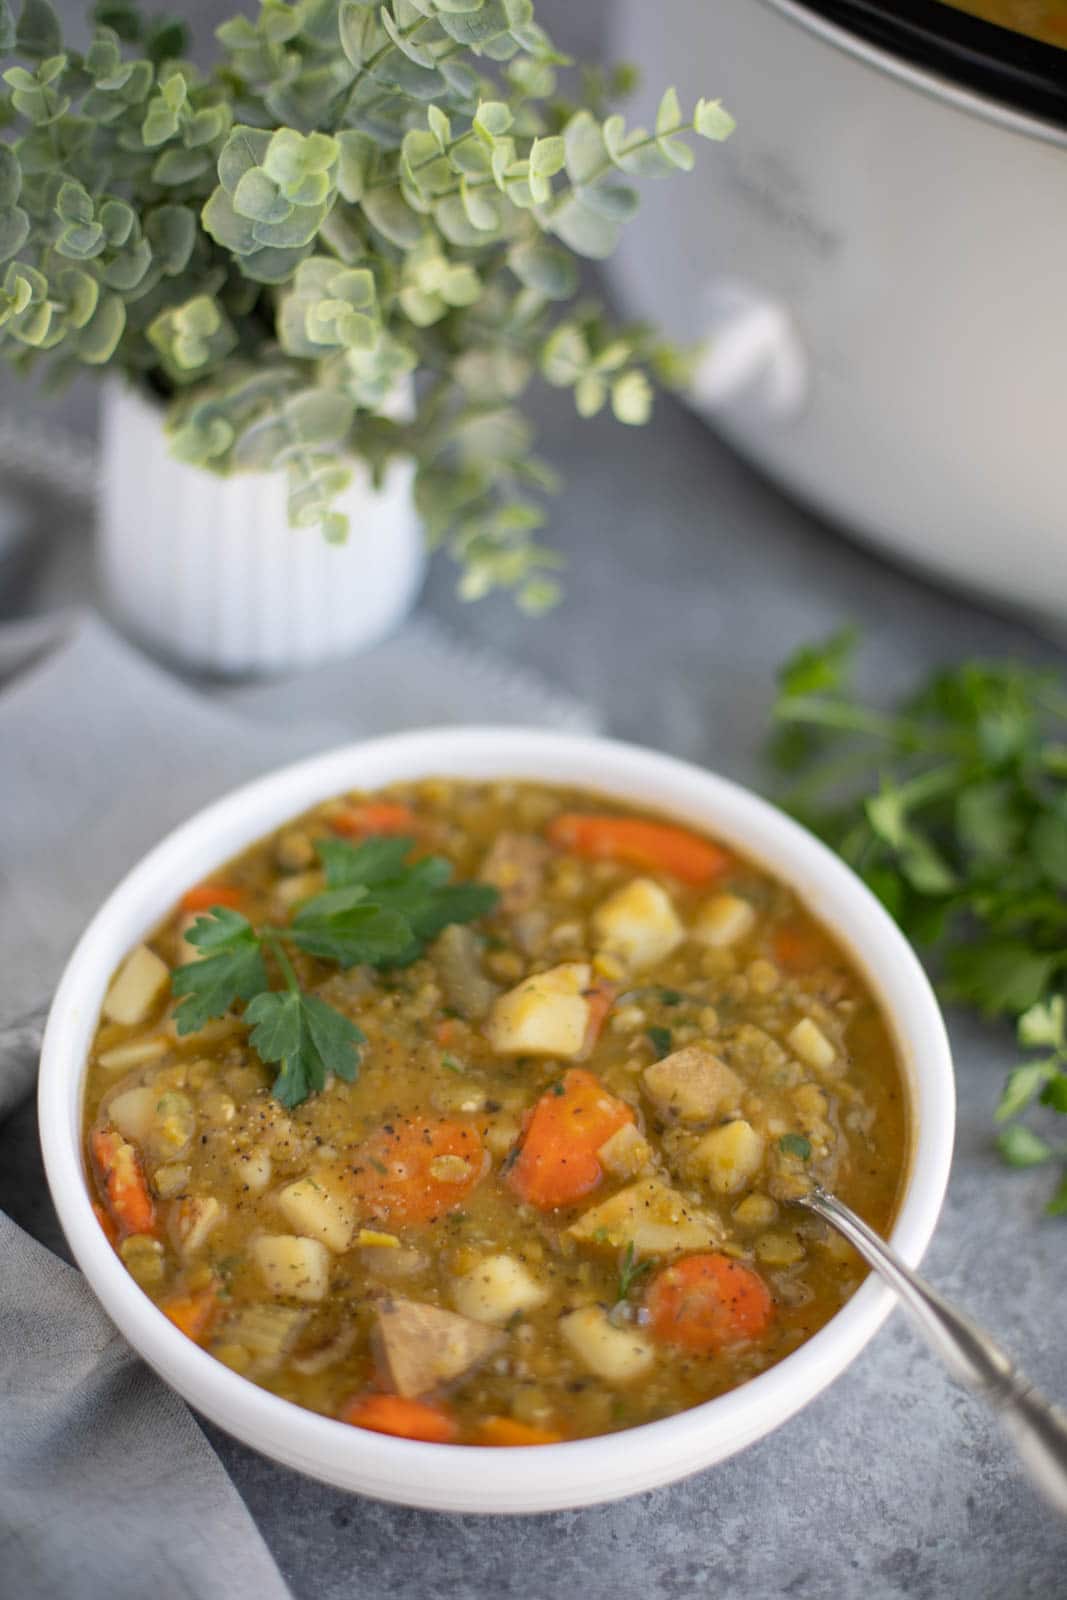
689, 578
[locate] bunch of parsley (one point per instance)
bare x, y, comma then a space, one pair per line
378, 908
952, 806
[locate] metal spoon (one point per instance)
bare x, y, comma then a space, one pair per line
1037, 1428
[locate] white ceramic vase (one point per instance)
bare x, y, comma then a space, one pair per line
206, 570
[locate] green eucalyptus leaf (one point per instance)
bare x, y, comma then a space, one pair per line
479, 207
244, 149
80, 241
587, 231
38, 34
171, 233
221, 221
386, 210
631, 398
258, 198
547, 156
80, 293
360, 31
175, 167
541, 266
14, 231
355, 163
712, 121
99, 339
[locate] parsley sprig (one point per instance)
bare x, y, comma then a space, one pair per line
378, 908
952, 806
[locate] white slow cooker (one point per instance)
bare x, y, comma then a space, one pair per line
878, 257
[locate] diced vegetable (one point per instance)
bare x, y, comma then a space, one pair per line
374, 817
125, 1188
655, 1219
692, 1085
616, 1355
457, 955
192, 1314
205, 896
600, 997
133, 1112
505, 1432
173, 1124
730, 1156
138, 987
799, 947
264, 1332
723, 921
653, 846
706, 1302
515, 864
639, 923
192, 1220
545, 1015
808, 1041
407, 1419
170, 1179
557, 1162
143, 1257
625, 1153
134, 1053
497, 1289
297, 1268
318, 1207
391, 1178
421, 1347
776, 1249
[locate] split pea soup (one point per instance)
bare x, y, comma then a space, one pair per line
474, 1113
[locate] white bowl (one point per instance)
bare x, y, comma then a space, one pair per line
451, 1478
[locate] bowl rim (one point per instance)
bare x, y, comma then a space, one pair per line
454, 1478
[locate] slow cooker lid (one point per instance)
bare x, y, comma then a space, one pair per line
996, 61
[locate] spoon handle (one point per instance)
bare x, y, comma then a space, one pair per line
1037, 1428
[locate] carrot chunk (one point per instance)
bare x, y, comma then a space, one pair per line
557, 1161
653, 846
798, 947
110, 1231
407, 1419
375, 817
505, 1431
704, 1303
125, 1188
205, 896
192, 1314
415, 1170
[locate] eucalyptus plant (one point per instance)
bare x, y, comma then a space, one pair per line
354, 196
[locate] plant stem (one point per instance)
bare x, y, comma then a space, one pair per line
273, 938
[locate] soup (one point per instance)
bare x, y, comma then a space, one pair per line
474, 1112
1038, 19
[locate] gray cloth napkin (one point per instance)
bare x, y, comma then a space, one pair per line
108, 1489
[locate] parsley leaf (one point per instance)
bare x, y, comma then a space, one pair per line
233, 970
951, 804
795, 1144
377, 909
307, 1037
661, 1039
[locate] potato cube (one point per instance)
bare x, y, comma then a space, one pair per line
722, 921
545, 1015
625, 1153
137, 987
133, 1111
495, 1289
655, 1219
639, 924
808, 1041
730, 1156
314, 1207
692, 1085
134, 1053
617, 1355
297, 1268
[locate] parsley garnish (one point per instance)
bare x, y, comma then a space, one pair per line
952, 806
795, 1144
376, 909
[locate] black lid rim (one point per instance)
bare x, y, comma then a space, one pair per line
1021, 72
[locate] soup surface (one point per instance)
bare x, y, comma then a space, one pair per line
554, 1200
1038, 19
